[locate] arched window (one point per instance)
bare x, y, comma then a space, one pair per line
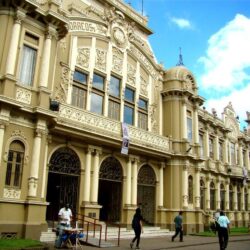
190, 189
15, 164
231, 197
222, 197
202, 194
212, 196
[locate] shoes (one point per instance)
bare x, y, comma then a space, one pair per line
137, 248
131, 245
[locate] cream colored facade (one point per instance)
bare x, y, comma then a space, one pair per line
71, 73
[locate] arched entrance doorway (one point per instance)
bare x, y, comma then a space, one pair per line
110, 190
146, 193
63, 181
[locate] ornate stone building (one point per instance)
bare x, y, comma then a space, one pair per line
88, 116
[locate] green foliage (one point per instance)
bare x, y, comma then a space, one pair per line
19, 243
233, 231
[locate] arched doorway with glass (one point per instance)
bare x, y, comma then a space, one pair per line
110, 190
146, 193
63, 181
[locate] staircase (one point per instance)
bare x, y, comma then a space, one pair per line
112, 234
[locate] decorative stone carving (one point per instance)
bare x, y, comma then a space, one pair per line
83, 57
117, 61
99, 124
10, 193
62, 90
147, 64
131, 74
23, 95
63, 44
143, 87
87, 27
101, 59
152, 115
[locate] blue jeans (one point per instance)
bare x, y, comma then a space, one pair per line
60, 230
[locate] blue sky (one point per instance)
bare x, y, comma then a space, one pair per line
214, 36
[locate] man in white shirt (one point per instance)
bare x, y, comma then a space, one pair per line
224, 229
65, 216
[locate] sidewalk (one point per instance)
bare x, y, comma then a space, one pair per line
162, 243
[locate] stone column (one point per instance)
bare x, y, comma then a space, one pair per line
128, 183
86, 191
247, 161
185, 186
227, 195
225, 156
2, 130
95, 179
134, 182
196, 124
235, 201
217, 197
207, 193
241, 155
35, 160
45, 64
161, 184
217, 154
242, 199
184, 118
12, 53
45, 166
197, 188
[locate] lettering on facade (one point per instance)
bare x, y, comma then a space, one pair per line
87, 27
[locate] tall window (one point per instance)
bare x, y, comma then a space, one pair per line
211, 147
212, 196
15, 165
222, 197
114, 98
97, 95
202, 194
232, 152
143, 114
129, 106
79, 90
201, 141
220, 151
246, 199
28, 59
231, 197
190, 189
239, 197
189, 127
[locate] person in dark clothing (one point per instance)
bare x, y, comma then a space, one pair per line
137, 226
178, 226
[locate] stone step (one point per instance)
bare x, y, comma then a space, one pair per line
112, 233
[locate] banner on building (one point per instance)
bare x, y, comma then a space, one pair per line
125, 139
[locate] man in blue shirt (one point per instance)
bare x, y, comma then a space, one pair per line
178, 226
223, 231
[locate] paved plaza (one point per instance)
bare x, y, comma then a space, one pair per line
190, 243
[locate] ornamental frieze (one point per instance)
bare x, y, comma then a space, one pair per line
112, 128
117, 61
101, 59
143, 87
131, 74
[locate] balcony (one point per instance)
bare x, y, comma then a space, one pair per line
103, 126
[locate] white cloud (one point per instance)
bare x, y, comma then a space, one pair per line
181, 22
239, 100
228, 56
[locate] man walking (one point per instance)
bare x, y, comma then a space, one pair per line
223, 231
178, 227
